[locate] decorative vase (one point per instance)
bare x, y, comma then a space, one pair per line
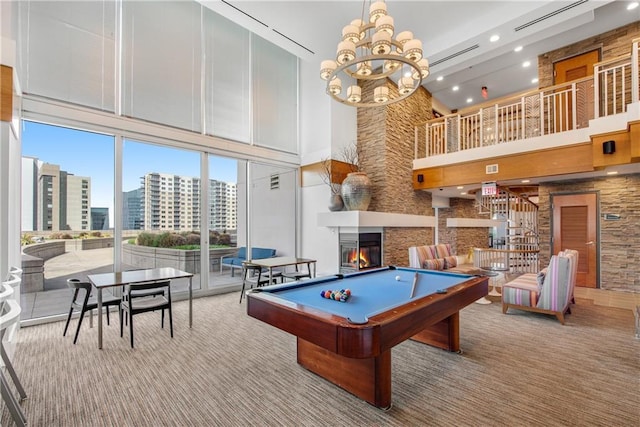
335, 203
356, 191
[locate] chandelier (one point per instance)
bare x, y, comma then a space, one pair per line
369, 52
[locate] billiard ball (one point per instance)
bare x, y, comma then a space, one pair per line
398, 278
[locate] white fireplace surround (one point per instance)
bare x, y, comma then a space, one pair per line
359, 219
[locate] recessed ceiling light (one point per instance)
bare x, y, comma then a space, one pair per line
526, 63
524, 181
612, 173
469, 100
517, 49
455, 88
534, 80
440, 78
463, 193
494, 38
460, 187
632, 6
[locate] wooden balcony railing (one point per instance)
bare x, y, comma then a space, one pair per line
560, 108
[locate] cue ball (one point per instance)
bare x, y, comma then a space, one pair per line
398, 278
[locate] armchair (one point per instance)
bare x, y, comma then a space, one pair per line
552, 296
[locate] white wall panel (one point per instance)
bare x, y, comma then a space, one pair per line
275, 96
272, 211
227, 79
68, 51
162, 63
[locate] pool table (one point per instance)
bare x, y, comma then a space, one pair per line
349, 343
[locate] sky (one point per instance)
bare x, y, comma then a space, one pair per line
92, 155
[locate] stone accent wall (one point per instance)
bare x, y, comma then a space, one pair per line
613, 43
398, 240
385, 139
462, 239
619, 240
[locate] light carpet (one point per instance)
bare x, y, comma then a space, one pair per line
519, 369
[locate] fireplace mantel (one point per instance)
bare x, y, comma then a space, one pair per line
359, 219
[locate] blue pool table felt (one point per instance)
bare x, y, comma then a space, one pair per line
372, 292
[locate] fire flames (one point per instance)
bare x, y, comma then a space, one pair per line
361, 259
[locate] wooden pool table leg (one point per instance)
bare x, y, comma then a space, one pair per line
444, 334
369, 378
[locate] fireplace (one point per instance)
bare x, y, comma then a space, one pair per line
360, 251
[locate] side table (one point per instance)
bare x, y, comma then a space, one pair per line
493, 272
486, 273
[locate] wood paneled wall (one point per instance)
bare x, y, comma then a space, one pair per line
634, 140
573, 159
6, 93
621, 156
312, 174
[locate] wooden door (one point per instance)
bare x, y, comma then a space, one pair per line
565, 71
575, 219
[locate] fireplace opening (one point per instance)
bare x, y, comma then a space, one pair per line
360, 251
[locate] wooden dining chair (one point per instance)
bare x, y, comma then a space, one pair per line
133, 304
86, 303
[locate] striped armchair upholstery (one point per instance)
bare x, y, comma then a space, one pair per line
433, 257
552, 296
574, 268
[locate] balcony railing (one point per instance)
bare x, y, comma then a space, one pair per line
560, 108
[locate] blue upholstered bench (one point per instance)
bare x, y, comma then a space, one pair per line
235, 261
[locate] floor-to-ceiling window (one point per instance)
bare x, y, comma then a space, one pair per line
67, 212
185, 115
226, 218
161, 208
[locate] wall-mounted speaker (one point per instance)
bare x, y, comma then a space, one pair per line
420, 178
608, 147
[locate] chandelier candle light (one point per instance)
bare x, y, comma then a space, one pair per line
368, 51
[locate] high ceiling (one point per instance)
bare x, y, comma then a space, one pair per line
455, 35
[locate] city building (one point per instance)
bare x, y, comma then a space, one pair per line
170, 202
132, 210
99, 218
222, 205
53, 199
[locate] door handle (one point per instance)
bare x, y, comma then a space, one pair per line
590, 243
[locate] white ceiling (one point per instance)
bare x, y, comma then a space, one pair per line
312, 29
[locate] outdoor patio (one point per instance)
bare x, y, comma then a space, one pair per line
55, 299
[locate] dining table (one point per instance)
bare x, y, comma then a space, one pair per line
283, 262
122, 278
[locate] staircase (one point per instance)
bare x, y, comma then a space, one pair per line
516, 246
